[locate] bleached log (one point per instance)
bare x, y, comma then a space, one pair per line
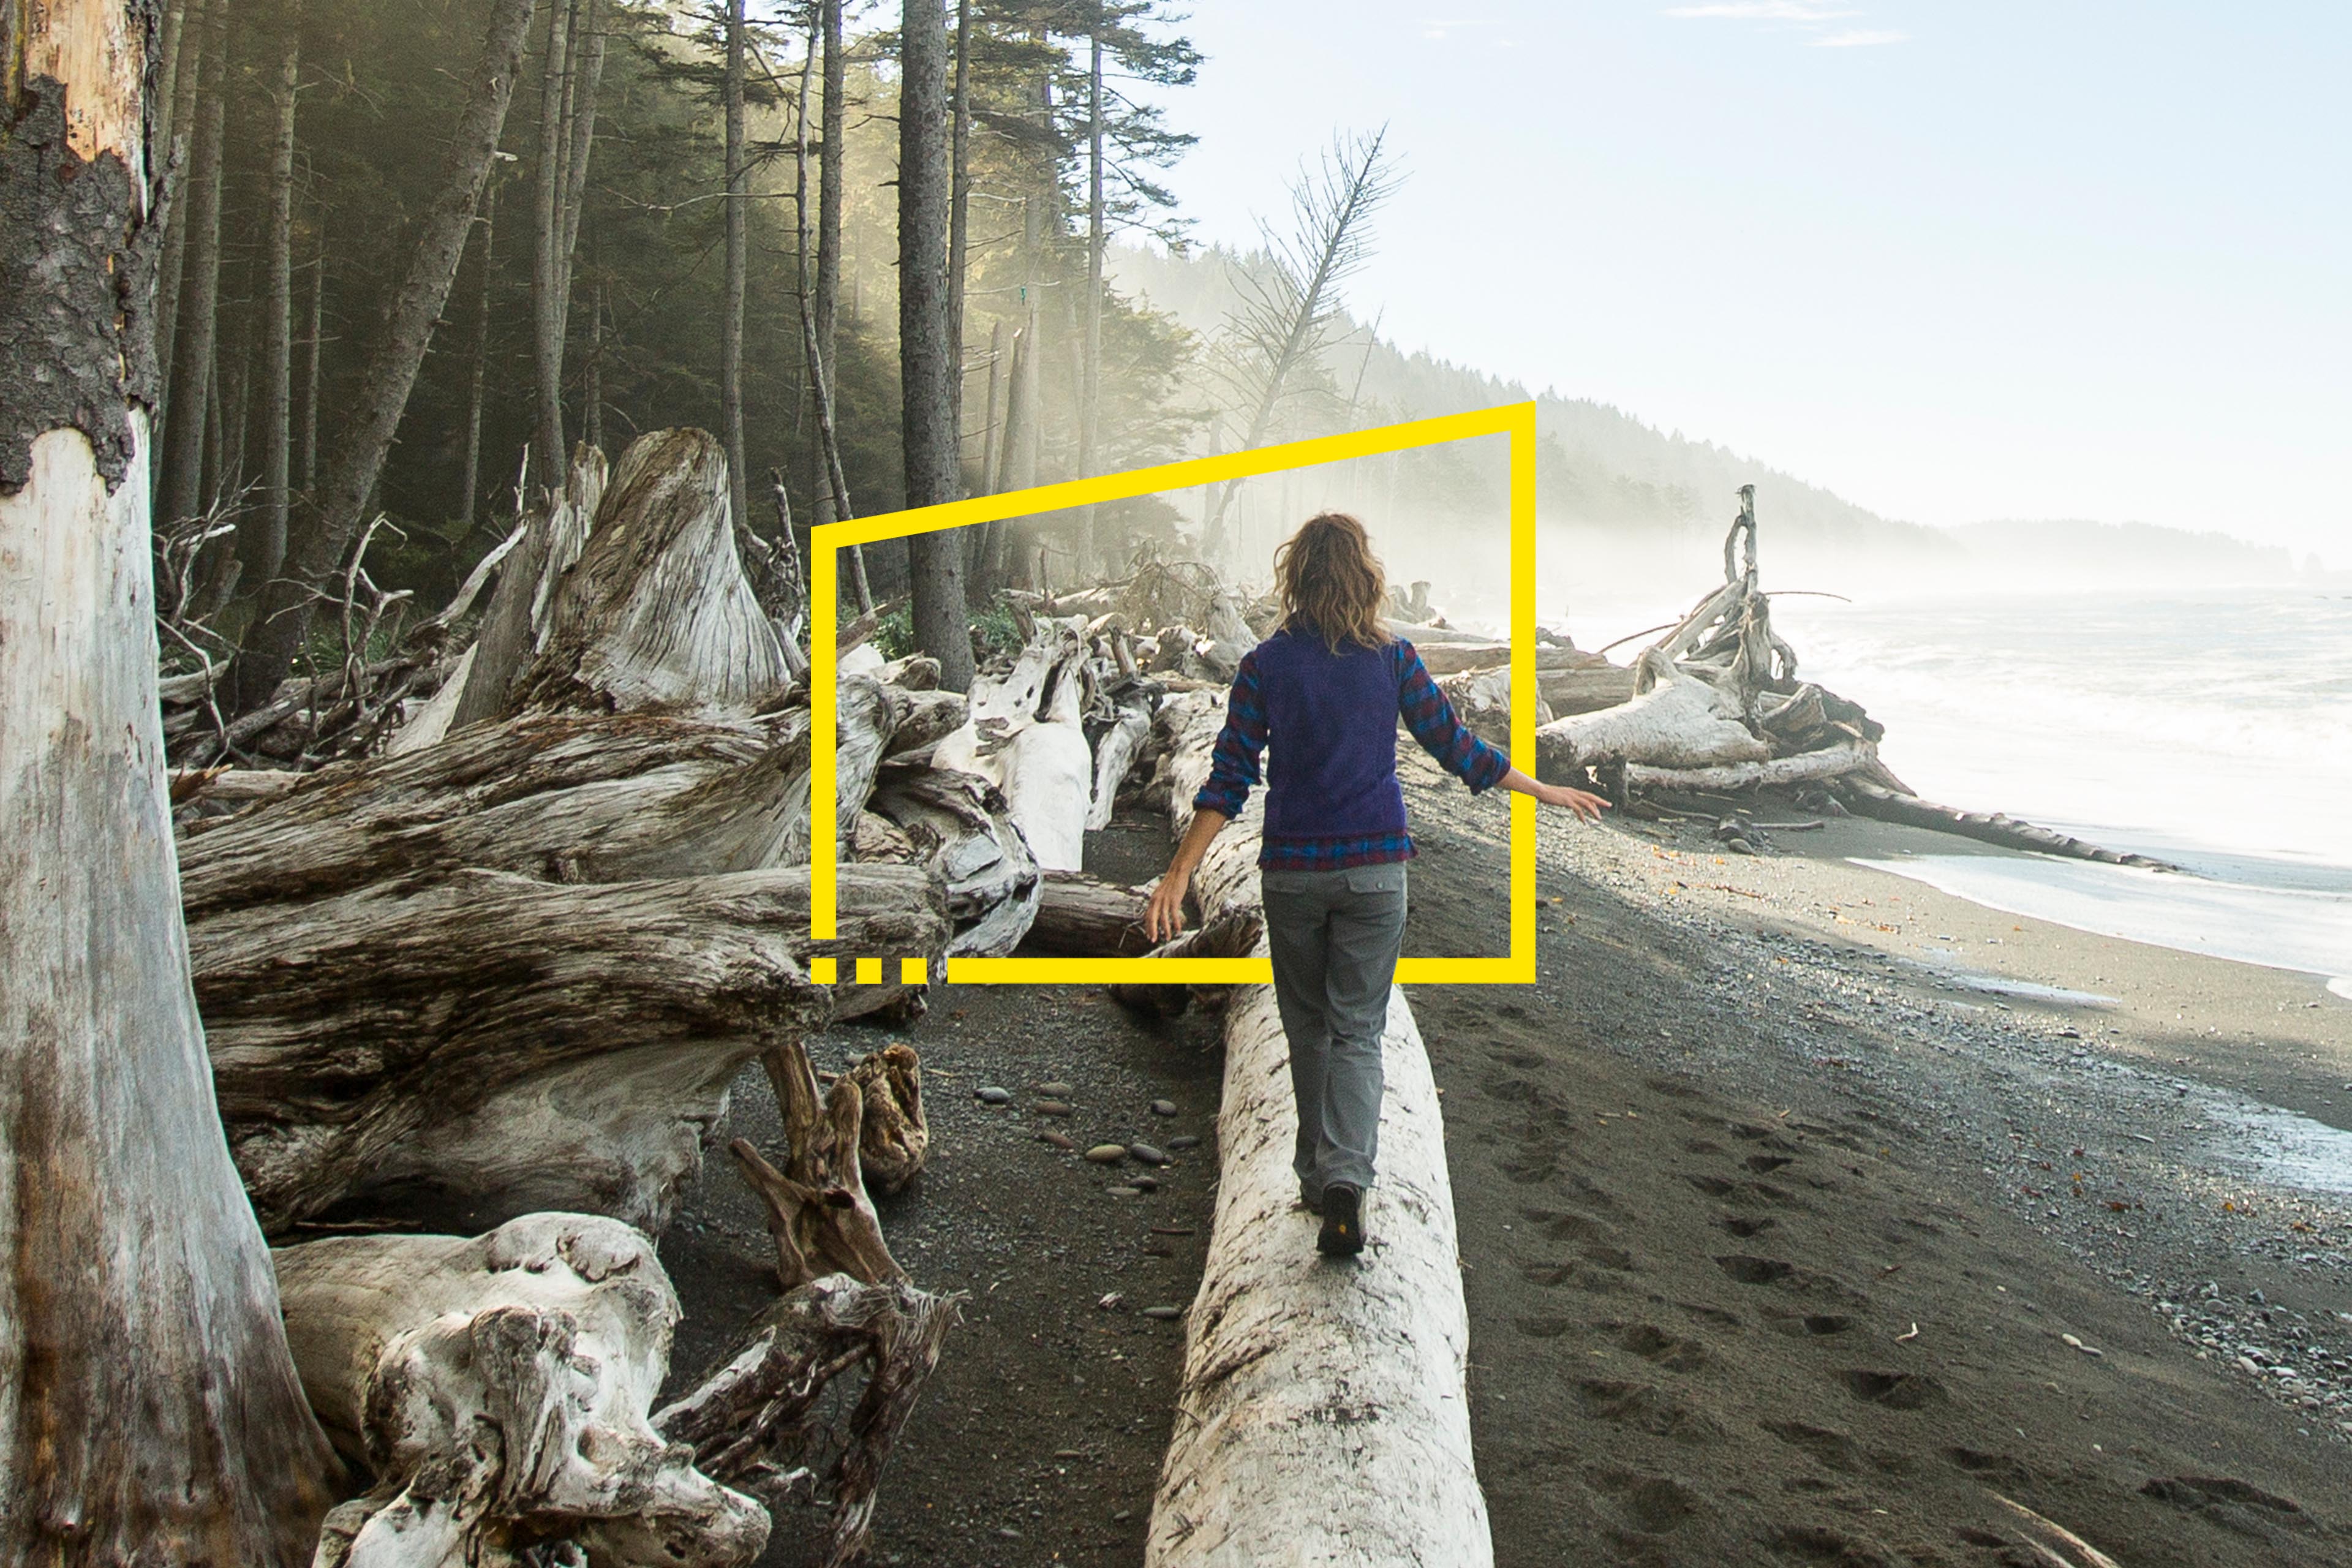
657, 613
486, 1045
1830, 762
1048, 774
564, 797
1869, 798
1585, 691
1453, 659
1116, 751
961, 827
1085, 916
498, 1390
1482, 700
1680, 723
1276, 1344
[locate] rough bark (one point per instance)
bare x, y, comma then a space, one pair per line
498, 1389
546, 332
730, 310
1083, 916
282, 624
264, 549
197, 310
657, 613
149, 1409
926, 352
432, 1053
1278, 1396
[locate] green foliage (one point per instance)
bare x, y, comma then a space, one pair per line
894, 634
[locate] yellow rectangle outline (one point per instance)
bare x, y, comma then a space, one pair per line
1516, 420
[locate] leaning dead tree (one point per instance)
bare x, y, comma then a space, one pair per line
505, 977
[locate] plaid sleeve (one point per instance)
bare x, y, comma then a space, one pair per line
1232, 765
1430, 717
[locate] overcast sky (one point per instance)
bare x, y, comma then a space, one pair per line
1954, 260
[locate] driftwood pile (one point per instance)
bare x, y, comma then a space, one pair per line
495, 974
1716, 709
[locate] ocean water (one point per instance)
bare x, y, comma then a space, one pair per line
2212, 729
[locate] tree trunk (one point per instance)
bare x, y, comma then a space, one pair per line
522, 608
282, 624
554, 168
265, 551
1096, 547
579, 1075
832, 182
198, 314
149, 1409
187, 69
308, 456
470, 487
959, 231
926, 356
730, 317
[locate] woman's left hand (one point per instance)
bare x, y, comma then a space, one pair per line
1163, 920
1584, 802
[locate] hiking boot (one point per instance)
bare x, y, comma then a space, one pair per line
1343, 1228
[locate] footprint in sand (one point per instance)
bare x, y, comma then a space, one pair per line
1744, 1225
1652, 1343
1808, 1325
1653, 1505
1645, 1407
1894, 1390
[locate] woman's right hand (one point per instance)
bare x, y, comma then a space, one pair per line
1584, 802
1163, 920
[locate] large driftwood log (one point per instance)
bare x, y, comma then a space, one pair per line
1085, 916
1872, 799
1285, 1425
1805, 767
487, 1045
961, 826
497, 1391
1585, 691
657, 613
1681, 722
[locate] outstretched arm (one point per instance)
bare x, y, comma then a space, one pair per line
1584, 802
1232, 771
1430, 719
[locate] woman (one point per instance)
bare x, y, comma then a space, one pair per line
1326, 689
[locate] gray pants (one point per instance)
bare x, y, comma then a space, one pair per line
1335, 936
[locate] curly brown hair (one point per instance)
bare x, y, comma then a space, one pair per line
1331, 583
